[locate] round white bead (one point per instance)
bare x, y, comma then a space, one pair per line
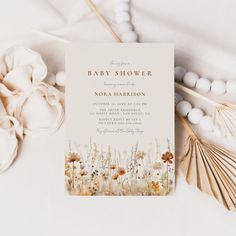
129, 37
218, 87
50, 79
207, 123
190, 79
195, 115
231, 86
124, 27
122, 6
203, 85
179, 73
122, 16
61, 78
184, 108
178, 98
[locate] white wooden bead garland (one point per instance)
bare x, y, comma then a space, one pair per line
218, 87
231, 87
224, 115
195, 115
190, 79
123, 19
179, 73
204, 85
61, 78
184, 108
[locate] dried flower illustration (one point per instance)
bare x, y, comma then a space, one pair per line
112, 166
168, 157
155, 187
105, 176
82, 167
140, 154
73, 157
121, 171
115, 176
95, 171
157, 166
83, 172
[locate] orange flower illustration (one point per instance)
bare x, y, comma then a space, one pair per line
121, 171
83, 172
72, 157
112, 166
168, 157
106, 171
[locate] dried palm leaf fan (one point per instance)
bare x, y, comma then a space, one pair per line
224, 115
209, 167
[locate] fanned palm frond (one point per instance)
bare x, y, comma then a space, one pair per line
225, 118
210, 168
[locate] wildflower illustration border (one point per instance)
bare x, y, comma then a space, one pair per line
137, 172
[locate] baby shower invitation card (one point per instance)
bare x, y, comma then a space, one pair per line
119, 119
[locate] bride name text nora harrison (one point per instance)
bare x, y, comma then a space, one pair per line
119, 94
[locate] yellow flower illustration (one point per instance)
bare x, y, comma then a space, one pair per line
157, 166
155, 187
140, 154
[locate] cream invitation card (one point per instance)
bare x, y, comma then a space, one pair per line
119, 119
